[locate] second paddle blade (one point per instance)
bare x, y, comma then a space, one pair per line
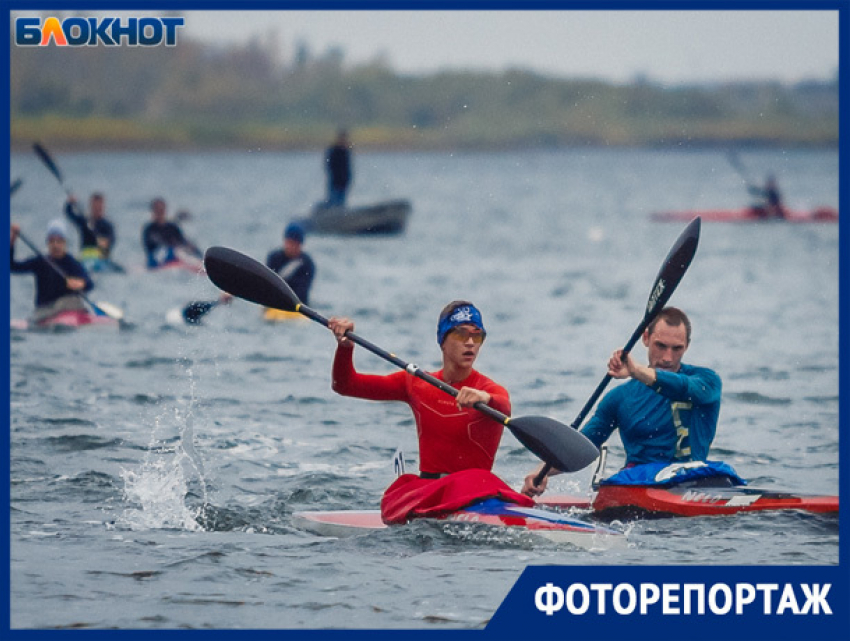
249, 279
675, 265
557, 444
195, 311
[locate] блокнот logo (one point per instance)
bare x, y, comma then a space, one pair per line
80, 32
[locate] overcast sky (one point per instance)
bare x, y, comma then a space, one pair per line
668, 46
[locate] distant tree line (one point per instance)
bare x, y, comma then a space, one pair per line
202, 95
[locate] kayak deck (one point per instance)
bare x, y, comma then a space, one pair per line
617, 501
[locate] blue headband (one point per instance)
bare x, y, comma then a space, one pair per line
460, 315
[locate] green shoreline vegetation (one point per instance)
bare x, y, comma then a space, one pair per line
197, 96
98, 133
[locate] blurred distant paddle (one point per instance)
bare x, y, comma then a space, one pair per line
738, 165
16, 185
51, 165
675, 265
196, 310
107, 264
249, 279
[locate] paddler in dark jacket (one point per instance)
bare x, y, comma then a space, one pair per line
161, 238
667, 412
457, 443
292, 263
53, 292
97, 234
771, 206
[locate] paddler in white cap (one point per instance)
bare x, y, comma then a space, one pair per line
59, 277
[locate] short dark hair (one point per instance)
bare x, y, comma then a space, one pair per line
674, 317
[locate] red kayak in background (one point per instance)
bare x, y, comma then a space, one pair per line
750, 215
181, 264
67, 319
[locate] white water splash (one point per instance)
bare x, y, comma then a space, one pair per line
157, 491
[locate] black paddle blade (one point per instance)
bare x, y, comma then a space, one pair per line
674, 268
45, 157
196, 310
561, 447
16, 186
249, 279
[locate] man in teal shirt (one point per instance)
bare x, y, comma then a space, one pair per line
667, 412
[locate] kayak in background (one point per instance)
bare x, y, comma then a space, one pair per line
167, 259
386, 218
180, 265
65, 320
94, 263
554, 526
750, 214
102, 266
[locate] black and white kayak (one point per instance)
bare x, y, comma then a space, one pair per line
549, 524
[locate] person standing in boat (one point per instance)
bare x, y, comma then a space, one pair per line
338, 169
771, 205
54, 292
457, 443
97, 233
292, 263
162, 238
667, 412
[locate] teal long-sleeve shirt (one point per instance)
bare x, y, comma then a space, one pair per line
674, 420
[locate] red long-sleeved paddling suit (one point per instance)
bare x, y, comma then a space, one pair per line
450, 439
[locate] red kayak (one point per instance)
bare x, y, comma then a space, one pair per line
194, 267
700, 488
749, 215
617, 501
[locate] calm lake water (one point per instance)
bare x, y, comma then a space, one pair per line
154, 471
